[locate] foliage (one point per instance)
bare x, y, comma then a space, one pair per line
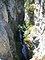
20, 27
28, 30
29, 9
29, 6
32, 7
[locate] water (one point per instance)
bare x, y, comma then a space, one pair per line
24, 46
24, 51
21, 37
0, 59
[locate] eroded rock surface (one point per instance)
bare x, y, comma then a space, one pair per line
7, 44
38, 35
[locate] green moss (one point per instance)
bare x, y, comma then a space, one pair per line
29, 6
27, 32
32, 7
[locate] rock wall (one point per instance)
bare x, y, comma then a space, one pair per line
7, 44
38, 33
11, 15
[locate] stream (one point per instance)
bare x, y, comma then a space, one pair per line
24, 52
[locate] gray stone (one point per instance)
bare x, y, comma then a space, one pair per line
4, 43
3, 12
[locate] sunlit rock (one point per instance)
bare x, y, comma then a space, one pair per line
3, 12
37, 36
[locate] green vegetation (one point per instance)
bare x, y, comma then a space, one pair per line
29, 9
23, 25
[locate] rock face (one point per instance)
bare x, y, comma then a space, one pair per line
7, 44
5, 37
4, 44
11, 11
15, 10
38, 36
3, 12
